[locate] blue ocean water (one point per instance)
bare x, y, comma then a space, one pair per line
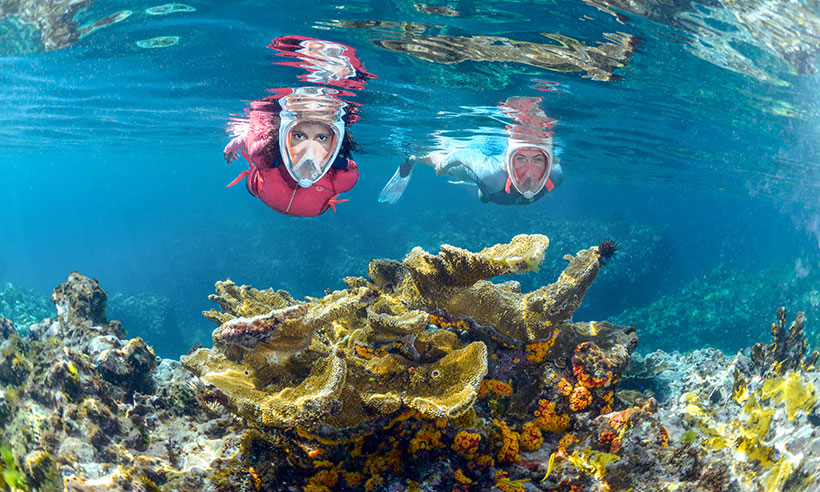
700, 157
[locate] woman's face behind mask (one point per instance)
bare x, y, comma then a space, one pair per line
310, 147
530, 166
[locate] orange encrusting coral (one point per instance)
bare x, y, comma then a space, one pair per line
494, 386
610, 437
548, 420
442, 322
580, 398
508, 453
663, 436
380, 461
568, 440
353, 479
530, 437
619, 419
466, 444
564, 387
325, 478
538, 350
427, 438
407, 414
461, 478
588, 380
255, 480
484, 461
364, 352
579, 371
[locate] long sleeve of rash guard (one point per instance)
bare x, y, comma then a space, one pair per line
472, 165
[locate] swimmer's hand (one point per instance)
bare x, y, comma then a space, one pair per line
234, 147
231, 156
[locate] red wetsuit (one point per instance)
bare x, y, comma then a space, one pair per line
277, 189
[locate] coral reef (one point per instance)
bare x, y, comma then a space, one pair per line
403, 381
425, 357
727, 423
788, 348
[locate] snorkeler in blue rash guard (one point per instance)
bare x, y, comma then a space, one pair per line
517, 170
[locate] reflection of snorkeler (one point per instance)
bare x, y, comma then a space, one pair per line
326, 62
517, 171
298, 150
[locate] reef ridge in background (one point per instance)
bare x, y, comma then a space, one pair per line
423, 376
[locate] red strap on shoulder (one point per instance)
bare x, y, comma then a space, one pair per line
507, 186
548, 185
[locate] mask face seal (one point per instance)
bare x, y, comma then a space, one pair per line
310, 135
528, 169
310, 149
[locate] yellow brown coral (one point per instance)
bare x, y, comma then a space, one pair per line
277, 371
505, 484
413, 343
455, 280
245, 301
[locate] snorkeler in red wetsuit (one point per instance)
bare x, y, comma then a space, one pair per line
298, 149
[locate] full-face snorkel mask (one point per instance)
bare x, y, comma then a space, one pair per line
305, 159
528, 176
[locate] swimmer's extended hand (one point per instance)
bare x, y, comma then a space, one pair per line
231, 156
234, 147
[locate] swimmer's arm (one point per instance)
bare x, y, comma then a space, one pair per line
443, 162
466, 158
233, 148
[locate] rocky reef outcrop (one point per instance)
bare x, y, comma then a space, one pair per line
84, 409
747, 422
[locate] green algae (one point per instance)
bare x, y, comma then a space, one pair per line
13, 478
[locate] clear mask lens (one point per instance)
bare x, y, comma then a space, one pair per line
309, 151
529, 171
